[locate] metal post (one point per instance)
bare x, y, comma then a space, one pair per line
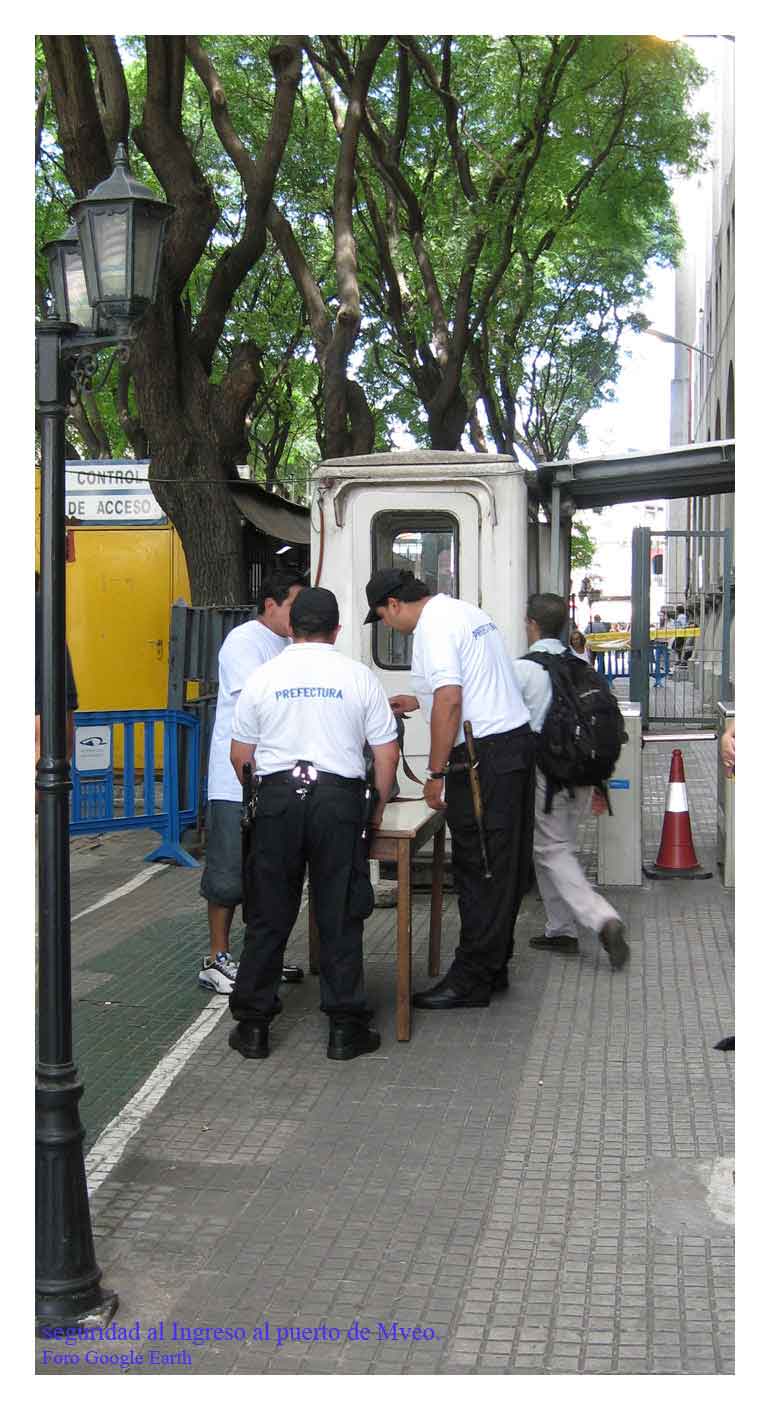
67, 1287
728, 568
554, 558
639, 640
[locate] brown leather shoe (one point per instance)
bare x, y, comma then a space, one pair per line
612, 939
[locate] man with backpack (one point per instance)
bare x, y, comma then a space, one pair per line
580, 732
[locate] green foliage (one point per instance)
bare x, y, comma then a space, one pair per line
582, 546
568, 273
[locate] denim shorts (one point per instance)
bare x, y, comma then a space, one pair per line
221, 880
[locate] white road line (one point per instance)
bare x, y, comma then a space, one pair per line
111, 1144
124, 890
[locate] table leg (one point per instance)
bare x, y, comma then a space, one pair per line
403, 940
435, 925
313, 937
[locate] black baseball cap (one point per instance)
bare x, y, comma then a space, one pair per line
314, 610
382, 585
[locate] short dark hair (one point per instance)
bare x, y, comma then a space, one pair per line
277, 586
314, 613
549, 611
681, 607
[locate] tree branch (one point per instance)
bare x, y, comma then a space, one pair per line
112, 93
450, 104
258, 177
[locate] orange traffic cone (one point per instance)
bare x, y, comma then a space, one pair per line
677, 855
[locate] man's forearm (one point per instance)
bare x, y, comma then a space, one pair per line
445, 722
385, 759
241, 754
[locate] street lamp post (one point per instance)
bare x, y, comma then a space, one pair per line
692, 348
104, 274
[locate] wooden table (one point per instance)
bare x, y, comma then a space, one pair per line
407, 825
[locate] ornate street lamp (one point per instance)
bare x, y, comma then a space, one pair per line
68, 280
121, 225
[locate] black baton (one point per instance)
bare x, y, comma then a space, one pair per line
476, 794
247, 823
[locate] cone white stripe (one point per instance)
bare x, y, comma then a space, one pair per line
677, 799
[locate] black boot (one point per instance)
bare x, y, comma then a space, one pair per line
251, 1040
348, 1038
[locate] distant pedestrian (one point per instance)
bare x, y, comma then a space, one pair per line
568, 898
681, 620
578, 646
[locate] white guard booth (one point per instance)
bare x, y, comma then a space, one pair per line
458, 520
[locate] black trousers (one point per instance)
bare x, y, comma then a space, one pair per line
488, 907
322, 830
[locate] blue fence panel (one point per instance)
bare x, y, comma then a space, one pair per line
94, 783
613, 662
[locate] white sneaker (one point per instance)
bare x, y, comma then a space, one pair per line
219, 974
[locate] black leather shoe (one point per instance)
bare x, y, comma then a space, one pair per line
446, 995
347, 1039
565, 945
500, 981
291, 974
613, 940
251, 1040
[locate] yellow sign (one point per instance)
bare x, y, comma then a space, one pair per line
619, 641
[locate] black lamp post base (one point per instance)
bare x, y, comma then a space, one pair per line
97, 1316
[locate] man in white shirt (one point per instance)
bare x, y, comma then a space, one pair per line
567, 895
461, 671
245, 649
304, 719
680, 621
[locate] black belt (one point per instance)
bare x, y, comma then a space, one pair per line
484, 742
287, 776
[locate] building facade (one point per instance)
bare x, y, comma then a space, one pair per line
703, 387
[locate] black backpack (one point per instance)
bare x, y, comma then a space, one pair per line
583, 731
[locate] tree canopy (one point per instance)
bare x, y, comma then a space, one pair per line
443, 235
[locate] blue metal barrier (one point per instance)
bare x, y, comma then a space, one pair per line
96, 806
613, 662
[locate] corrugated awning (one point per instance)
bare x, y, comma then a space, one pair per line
703, 469
271, 514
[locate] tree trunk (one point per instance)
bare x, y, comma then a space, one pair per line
445, 427
195, 496
196, 433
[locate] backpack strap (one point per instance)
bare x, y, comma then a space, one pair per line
553, 664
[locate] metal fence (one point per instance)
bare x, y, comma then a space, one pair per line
693, 572
154, 788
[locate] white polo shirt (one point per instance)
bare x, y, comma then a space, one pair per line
457, 644
243, 650
313, 703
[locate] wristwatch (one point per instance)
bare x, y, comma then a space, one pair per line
437, 773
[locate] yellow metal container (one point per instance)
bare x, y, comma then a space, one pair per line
121, 583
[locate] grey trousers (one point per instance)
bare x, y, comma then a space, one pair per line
569, 899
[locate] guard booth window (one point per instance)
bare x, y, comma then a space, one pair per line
428, 545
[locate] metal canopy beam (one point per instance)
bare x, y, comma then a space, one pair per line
705, 469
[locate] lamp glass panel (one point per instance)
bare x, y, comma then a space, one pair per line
111, 250
79, 309
147, 237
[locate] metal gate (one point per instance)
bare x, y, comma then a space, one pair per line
682, 612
